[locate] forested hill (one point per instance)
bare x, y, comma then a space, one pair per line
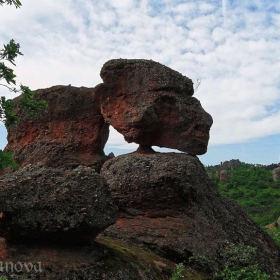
234, 164
251, 185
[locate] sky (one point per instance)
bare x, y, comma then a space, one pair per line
231, 47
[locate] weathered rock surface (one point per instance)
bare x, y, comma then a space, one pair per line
71, 131
106, 258
44, 203
167, 202
276, 174
152, 105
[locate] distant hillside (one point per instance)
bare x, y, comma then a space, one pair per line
251, 185
234, 164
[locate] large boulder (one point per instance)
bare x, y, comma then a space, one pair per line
152, 105
70, 132
167, 202
56, 204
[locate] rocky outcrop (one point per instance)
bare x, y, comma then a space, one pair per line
224, 175
56, 204
71, 131
167, 202
230, 164
152, 105
276, 174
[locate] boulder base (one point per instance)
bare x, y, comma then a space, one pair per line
167, 202
56, 204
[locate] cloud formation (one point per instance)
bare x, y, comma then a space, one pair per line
232, 46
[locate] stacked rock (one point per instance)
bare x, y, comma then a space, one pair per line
166, 200
152, 105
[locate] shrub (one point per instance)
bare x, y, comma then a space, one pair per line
179, 272
236, 262
275, 234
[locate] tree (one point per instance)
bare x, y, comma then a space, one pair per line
7, 79
17, 3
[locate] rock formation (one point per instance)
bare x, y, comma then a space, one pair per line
152, 105
224, 175
167, 202
71, 131
56, 204
230, 164
276, 174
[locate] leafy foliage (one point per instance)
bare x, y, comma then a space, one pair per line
17, 3
28, 101
6, 160
7, 78
179, 272
31, 105
7, 112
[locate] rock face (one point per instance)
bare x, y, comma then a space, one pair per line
167, 202
276, 174
71, 131
224, 175
230, 164
152, 105
44, 203
106, 259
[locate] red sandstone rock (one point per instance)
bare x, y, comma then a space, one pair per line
167, 202
224, 175
152, 105
71, 131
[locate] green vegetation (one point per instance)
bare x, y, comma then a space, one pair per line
253, 187
17, 3
27, 100
179, 272
275, 234
236, 262
7, 79
6, 160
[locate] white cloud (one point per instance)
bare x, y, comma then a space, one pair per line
67, 42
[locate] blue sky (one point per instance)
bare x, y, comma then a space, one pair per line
231, 46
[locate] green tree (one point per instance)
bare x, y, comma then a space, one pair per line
17, 3
7, 79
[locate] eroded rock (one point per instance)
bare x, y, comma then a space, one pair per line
71, 132
152, 105
57, 204
167, 202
